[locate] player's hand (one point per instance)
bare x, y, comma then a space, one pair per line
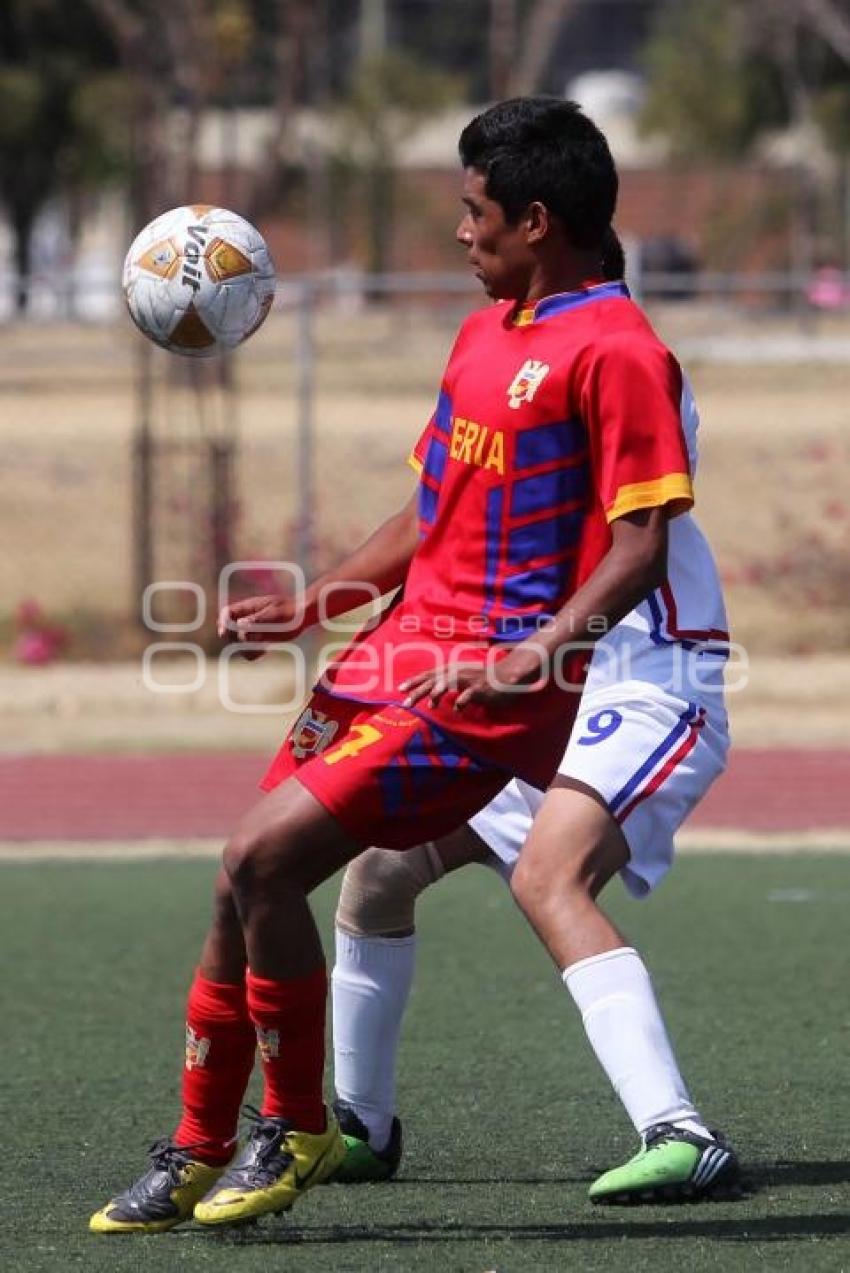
247, 622
491, 684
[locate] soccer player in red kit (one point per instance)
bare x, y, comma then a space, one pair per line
549, 469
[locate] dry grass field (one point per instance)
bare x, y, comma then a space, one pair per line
772, 493
105, 707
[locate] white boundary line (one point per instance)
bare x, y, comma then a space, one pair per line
702, 841
108, 850
729, 840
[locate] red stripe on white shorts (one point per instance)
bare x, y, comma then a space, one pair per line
661, 775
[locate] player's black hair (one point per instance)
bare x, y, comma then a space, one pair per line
546, 149
613, 256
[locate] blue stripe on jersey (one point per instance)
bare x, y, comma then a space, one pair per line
432, 764
421, 768
422, 751
447, 744
436, 457
654, 757
548, 490
415, 750
575, 300
392, 784
545, 538
443, 413
492, 544
516, 627
549, 442
427, 504
536, 587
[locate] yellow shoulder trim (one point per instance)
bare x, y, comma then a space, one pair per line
415, 464
674, 488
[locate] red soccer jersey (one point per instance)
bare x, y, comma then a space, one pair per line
543, 434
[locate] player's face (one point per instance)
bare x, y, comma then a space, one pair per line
498, 252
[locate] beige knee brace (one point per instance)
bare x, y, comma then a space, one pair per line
380, 888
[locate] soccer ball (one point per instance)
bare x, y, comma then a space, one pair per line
198, 280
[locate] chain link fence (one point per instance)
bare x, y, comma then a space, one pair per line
295, 447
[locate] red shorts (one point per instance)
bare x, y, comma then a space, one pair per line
389, 777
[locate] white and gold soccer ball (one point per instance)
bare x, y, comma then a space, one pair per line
199, 280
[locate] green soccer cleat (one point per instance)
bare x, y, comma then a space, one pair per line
672, 1165
362, 1164
163, 1197
277, 1165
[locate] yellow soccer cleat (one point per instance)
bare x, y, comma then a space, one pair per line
277, 1165
163, 1197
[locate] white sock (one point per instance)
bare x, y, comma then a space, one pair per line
613, 993
370, 986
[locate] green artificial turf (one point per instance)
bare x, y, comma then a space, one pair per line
507, 1116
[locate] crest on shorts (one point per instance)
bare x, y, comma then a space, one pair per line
526, 382
197, 1049
311, 733
268, 1041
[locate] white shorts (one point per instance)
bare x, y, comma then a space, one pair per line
649, 755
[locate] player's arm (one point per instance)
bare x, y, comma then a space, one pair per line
635, 564
630, 402
377, 566
381, 562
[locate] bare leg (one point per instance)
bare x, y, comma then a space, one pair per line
573, 850
284, 847
223, 951
461, 848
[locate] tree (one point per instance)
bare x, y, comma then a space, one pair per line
388, 96
725, 73
538, 39
722, 73
62, 116
710, 92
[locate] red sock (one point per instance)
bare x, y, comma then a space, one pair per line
290, 1020
220, 1048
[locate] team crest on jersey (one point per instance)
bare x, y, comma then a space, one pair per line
197, 1049
311, 733
268, 1041
526, 382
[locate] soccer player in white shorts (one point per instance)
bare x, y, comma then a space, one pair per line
650, 738
649, 755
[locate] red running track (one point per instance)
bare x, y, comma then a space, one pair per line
186, 796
